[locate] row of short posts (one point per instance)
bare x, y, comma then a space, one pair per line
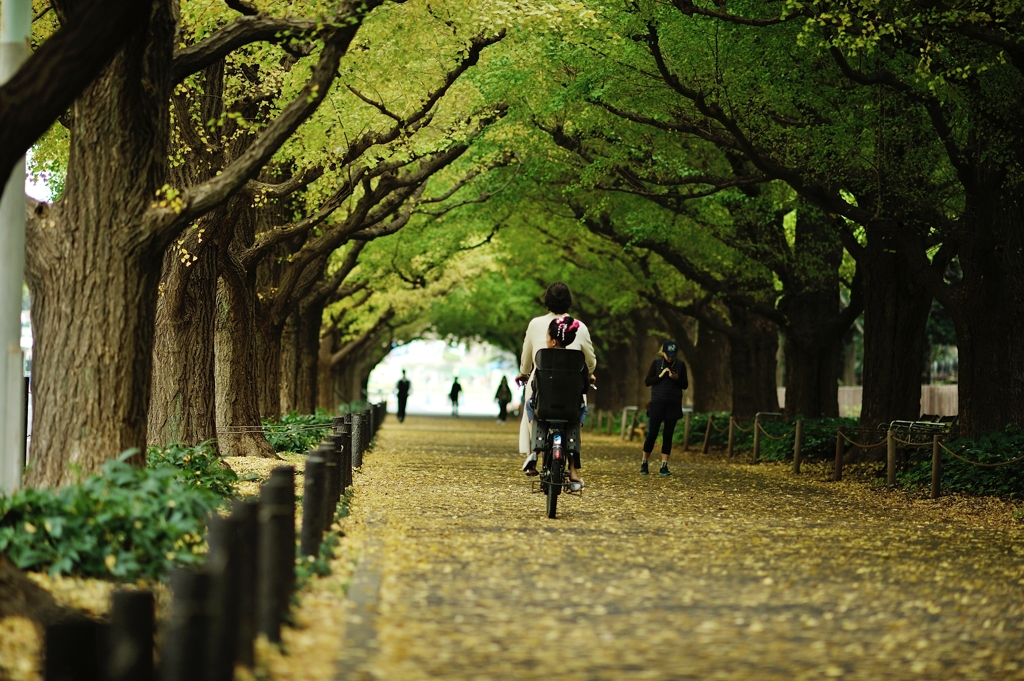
244, 588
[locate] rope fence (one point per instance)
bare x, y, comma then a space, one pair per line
978, 463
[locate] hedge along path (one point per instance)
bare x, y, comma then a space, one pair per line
719, 571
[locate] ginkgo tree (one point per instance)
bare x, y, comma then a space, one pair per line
142, 170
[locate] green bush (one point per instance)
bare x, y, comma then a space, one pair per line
126, 522
819, 438
197, 467
957, 476
298, 432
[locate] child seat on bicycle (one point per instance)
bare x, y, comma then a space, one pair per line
559, 383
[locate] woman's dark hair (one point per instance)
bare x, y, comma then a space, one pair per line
563, 330
557, 298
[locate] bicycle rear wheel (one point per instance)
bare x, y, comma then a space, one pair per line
554, 488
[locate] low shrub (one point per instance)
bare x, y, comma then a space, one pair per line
197, 467
819, 438
298, 432
957, 476
126, 522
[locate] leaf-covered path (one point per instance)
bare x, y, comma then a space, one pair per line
721, 571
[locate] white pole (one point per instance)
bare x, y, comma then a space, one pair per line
15, 25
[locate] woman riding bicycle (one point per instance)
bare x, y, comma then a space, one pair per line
558, 300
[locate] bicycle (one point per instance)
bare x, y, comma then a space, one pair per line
559, 383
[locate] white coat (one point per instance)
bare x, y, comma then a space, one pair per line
537, 338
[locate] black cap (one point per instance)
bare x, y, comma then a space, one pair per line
669, 347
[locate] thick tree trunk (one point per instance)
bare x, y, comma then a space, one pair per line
268, 368
812, 357
895, 316
93, 269
308, 347
622, 369
987, 308
815, 321
752, 349
290, 367
706, 353
326, 398
238, 416
183, 406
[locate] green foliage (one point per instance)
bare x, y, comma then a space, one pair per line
819, 438
198, 467
957, 476
298, 432
125, 523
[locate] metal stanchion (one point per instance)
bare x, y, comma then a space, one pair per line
183, 657
732, 436
246, 513
313, 505
276, 570
936, 468
132, 625
707, 434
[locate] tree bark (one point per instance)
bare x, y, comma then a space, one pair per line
896, 311
288, 397
706, 353
268, 368
753, 345
46, 85
238, 415
987, 308
812, 356
308, 347
183, 405
93, 270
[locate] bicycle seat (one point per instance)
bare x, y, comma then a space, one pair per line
559, 382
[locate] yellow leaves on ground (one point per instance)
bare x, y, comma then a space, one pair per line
722, 570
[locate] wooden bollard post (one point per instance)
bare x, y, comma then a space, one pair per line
936, 468
276, 570
343, 443
686, 430
183, 657
368, 429
356, 425
130, 643
798, 442
757, 437
707, 434
337, 474
890, 458
837, 473
313, 505
74, 651
331, 470
732, 436
222, 565
246, 513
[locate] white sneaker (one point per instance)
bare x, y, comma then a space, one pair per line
576, 485
530, 465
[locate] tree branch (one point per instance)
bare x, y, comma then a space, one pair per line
60, 70
241, 32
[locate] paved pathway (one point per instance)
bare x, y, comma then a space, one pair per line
721, 571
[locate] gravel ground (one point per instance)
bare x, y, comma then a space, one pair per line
721, 571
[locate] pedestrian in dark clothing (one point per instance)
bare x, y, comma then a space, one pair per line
503, 396
454, 395
403, 388
667, 379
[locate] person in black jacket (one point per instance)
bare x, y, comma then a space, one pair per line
667, 379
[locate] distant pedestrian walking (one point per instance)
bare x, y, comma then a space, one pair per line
667, 378
503, 396
403, 388
454, 395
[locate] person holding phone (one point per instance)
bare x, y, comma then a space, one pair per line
667, 380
